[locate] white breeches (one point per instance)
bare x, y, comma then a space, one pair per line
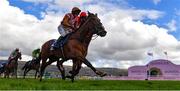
62, 31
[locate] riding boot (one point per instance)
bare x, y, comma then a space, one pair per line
57, 43
59, 40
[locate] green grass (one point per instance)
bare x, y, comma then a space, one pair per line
57, 84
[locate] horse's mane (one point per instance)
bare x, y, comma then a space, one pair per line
86, 21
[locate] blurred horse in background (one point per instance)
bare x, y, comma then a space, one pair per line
11, 68
33, 64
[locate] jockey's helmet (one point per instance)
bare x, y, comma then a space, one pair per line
76, 10
83, 14
38, 49
17, 49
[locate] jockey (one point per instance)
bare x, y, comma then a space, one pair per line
13, 55
81, 19
36, 54
67, 25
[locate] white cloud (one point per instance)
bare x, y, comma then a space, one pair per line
23, 30
126, 44
156, 1
59, 4
172, 25
129, 40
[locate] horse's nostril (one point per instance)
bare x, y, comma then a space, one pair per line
103, 33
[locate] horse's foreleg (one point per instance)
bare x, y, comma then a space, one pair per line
43, 66
86, 62
8, 73
13, 73
16, 72
5, 74
61, 68
37, 71
75, 69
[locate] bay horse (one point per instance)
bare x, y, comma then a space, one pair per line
12, 66
75, 48
33, 64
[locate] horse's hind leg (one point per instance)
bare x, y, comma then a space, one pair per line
61, 68
26, 71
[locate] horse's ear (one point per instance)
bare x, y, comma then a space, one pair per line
88, 13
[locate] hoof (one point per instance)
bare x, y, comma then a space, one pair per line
64, 78
72, 80
101, 74
40, 79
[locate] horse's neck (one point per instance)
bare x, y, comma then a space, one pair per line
84, 35
87, 40
18, 56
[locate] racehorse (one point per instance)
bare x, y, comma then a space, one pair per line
12, 66
33, 64
75, 48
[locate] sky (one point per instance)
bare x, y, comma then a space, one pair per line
134, 28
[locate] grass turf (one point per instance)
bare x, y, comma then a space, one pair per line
57, 84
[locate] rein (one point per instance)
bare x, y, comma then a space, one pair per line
95, 37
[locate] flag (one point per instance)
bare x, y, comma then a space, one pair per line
150, 54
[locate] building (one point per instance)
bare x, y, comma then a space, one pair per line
157, 69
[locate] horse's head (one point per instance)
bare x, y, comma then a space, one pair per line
97, 26
19, 56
